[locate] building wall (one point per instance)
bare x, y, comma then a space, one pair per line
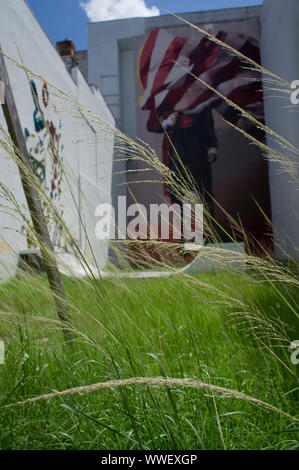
88, 162
82, 61
103, 56
280, 35
110, 50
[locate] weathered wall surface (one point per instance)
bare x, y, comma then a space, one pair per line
11, 240
280, 35
88, 162
110, 53
82, 61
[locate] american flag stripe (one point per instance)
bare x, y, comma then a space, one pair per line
145, 57
162, 40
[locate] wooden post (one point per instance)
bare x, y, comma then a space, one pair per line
33, 200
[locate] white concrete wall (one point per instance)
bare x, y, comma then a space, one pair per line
103, 56
22, 38
11, 240
280, 36
95, 162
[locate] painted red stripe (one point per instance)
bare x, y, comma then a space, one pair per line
145, 58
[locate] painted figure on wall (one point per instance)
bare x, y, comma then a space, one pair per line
194, 143
180, 77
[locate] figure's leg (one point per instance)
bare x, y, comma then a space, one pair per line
201, 171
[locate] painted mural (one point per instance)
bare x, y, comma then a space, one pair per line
45, 148
188, 123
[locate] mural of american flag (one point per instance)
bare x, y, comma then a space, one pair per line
168, 68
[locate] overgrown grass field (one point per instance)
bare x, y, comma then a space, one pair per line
229, 330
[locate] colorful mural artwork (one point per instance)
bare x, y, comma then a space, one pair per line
181, 75
45, 149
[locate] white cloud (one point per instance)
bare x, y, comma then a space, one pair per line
101, 10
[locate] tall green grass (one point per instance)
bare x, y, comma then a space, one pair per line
152, 328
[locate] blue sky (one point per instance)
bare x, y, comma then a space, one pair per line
68, 18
